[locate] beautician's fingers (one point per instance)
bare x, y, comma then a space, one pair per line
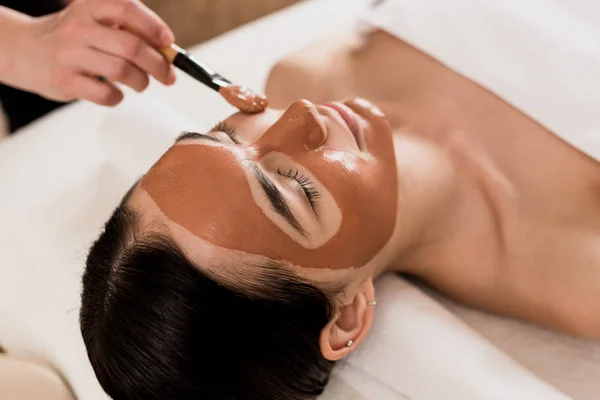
95, 90
112, 68
130, 47
51, 50
134, 16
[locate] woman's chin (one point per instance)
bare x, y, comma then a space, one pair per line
379, 128
366, 109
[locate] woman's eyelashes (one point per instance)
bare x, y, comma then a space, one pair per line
227, 129
312, 194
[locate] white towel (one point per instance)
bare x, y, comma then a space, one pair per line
541, 56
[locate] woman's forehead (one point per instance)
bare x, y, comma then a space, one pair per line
199, 171
206, 191
226, 265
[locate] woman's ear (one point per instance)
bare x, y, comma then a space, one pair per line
350, 325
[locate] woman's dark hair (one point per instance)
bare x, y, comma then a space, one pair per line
156, 327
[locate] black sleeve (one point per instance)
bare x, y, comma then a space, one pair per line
33, 7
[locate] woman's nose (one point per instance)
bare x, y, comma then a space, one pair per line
312, 131
300, 127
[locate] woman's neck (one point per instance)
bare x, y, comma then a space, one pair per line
445, 195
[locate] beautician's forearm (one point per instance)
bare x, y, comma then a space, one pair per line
13, 28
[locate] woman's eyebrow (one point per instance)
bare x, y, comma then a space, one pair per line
277, 199
195, 135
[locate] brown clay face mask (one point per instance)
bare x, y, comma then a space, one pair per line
206, 188
244, 99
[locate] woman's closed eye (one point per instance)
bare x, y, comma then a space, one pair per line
227, 129
312, 194
220, 127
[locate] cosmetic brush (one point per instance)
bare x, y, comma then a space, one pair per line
240, 97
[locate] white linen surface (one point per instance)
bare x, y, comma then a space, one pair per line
61, 178
542, 56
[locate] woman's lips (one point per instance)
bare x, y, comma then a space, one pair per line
351, 119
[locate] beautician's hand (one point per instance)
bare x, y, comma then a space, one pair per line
62, 56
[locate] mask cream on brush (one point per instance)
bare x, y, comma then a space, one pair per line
240, 97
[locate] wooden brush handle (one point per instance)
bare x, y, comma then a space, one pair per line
169, 53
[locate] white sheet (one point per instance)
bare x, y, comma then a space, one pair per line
419, 350
542, 56
61, 178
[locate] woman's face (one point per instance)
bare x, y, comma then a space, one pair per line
315, 186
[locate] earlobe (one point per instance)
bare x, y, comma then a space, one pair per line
332, 351
350, 325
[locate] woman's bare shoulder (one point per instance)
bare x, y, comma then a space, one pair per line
320, 72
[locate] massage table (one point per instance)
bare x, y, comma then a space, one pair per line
61, 177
